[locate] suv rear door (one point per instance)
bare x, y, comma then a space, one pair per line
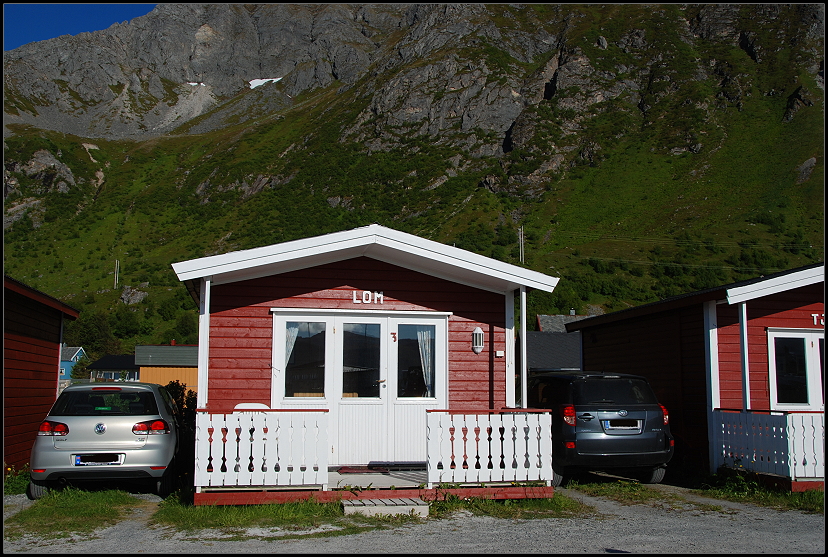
617, 415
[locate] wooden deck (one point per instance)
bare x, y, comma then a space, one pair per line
384, 484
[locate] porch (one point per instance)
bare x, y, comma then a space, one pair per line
787, 446
275, 456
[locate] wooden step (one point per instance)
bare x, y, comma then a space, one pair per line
370, 507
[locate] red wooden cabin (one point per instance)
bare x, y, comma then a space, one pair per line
740, 368
349, 341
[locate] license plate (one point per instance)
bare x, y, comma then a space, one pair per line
620, 424
97, 459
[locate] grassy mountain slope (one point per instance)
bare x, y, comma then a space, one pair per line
700, 188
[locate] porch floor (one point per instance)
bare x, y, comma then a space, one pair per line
341, 478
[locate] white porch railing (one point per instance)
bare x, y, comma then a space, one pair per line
791, 445
261, 448
480, 448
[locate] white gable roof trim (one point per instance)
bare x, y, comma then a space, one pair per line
374, 241
776, 285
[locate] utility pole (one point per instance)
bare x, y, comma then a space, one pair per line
520, 242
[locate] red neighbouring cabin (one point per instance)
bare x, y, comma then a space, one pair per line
739, 367
32, 341
363, 333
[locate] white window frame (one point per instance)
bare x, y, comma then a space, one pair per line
815, 392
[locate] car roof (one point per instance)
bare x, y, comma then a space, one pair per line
132, 386
540, 373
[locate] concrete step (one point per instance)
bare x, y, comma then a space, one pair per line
370, 507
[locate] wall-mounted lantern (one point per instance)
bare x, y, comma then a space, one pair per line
477, 340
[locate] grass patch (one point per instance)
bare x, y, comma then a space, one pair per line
15, 481
62, 513
559, 506
743, 487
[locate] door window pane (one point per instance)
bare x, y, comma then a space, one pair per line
791, 373
361, 360
304, 359
415, 361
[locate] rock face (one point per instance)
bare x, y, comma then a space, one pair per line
486, 80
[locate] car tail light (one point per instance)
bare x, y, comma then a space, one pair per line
569, 444
106, 388
152, 427
53, 428
665, 414
568, 413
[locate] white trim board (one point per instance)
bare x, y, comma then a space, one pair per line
374, 241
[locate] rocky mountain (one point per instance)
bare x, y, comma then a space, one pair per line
662, 147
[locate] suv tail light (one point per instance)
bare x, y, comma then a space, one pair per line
151, 427
665, 414
568, 413
53, 428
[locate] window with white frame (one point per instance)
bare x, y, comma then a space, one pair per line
795, 363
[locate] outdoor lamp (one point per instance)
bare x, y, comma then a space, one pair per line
477, 340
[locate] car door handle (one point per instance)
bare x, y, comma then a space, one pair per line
586, 417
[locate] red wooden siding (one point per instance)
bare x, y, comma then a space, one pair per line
667, 348
241, 326
792, 309
31, 360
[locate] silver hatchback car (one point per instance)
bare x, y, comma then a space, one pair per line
107, 431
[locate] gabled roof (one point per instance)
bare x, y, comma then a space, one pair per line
178, 355
733, 293
374, 241
557, 323
68, 353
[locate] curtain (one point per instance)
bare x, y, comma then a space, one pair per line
425, 340
291, 332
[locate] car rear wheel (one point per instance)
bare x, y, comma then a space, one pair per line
36, 489
653, 476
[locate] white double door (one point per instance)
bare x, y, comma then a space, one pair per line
375, 373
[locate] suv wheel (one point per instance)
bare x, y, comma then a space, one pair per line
558, 479
653, 476
36, 489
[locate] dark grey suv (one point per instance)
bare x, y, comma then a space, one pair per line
603, 421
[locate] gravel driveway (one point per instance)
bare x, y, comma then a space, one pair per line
700, 526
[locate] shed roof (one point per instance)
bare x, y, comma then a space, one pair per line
114, 362
34, 294
374, 241
733, 293
178, 355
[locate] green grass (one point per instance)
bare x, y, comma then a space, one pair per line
63, 513
74, 512
15, 481
728, 486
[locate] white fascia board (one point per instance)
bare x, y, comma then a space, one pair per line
385, 244
466, 261
776, 285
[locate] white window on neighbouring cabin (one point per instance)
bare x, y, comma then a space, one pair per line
797, 371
